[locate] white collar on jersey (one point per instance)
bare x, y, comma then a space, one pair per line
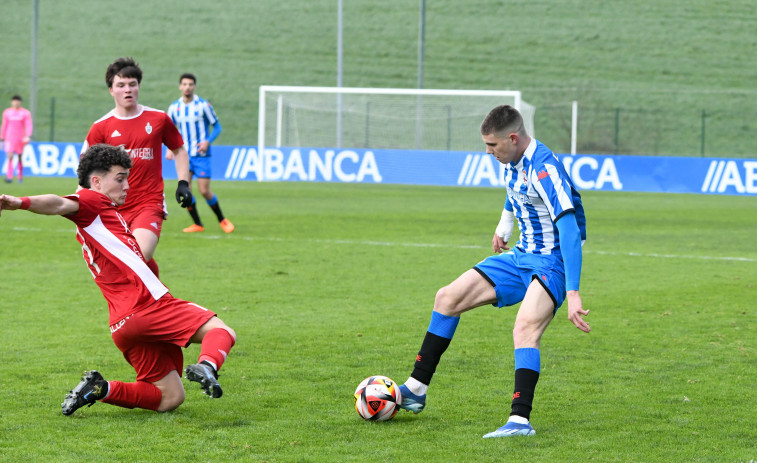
530, 150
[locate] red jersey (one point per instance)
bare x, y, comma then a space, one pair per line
142, 136
113, 256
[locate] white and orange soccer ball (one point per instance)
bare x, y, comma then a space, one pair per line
377, 398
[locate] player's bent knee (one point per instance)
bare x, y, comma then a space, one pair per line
171, 399
232, 333
218, 323
446, 303
527, 333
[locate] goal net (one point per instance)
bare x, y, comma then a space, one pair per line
379, 118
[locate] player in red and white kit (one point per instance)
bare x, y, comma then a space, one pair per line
142, 131
147, 323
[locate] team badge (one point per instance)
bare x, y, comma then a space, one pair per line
148, 128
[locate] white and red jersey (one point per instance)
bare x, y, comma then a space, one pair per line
113, 256
142, 136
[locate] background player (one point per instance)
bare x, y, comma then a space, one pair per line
545, 262
194, 116
15, 132
147, 323
141, 131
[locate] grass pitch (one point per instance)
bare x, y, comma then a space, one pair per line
326, 284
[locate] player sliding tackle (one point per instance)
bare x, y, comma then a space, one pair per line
540, 272
147, 323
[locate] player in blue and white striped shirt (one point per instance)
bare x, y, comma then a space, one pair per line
194, 117
542, 270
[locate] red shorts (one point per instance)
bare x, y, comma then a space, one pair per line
151, 339
148, 216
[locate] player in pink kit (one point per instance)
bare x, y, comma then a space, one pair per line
142, 131
147, 323
15, 132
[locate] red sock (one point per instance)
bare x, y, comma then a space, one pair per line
216, 346
134, 395
154, 267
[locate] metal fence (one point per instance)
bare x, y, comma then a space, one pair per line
683, 131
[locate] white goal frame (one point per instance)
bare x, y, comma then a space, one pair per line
264, 89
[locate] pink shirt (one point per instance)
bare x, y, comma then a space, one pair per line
17, 124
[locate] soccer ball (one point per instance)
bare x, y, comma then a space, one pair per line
377, 398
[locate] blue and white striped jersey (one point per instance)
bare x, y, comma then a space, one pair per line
539, 191
194, 121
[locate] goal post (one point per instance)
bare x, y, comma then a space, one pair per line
379, 118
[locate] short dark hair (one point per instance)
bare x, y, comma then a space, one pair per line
188, 75
502, 120
98, 159
123, 67
17, 97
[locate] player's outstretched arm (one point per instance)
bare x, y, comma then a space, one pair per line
40, 204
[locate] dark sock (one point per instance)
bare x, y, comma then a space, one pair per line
428, 357
216, 208
192, 209
523, 393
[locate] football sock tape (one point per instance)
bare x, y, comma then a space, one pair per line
443, 325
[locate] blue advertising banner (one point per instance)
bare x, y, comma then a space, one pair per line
445, 168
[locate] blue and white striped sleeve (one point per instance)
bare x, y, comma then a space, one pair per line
554, 190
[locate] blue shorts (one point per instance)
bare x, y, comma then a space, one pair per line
200, 166
512, 272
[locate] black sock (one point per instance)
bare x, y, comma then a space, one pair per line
217, 209
428, 357
523, 393
192, 209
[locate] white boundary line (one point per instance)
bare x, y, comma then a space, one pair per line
430, 245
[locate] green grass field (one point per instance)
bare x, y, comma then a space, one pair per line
661, 62
326, 284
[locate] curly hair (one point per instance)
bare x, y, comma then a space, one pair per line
123, 67
98, 159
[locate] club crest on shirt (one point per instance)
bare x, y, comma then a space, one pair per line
148, 128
